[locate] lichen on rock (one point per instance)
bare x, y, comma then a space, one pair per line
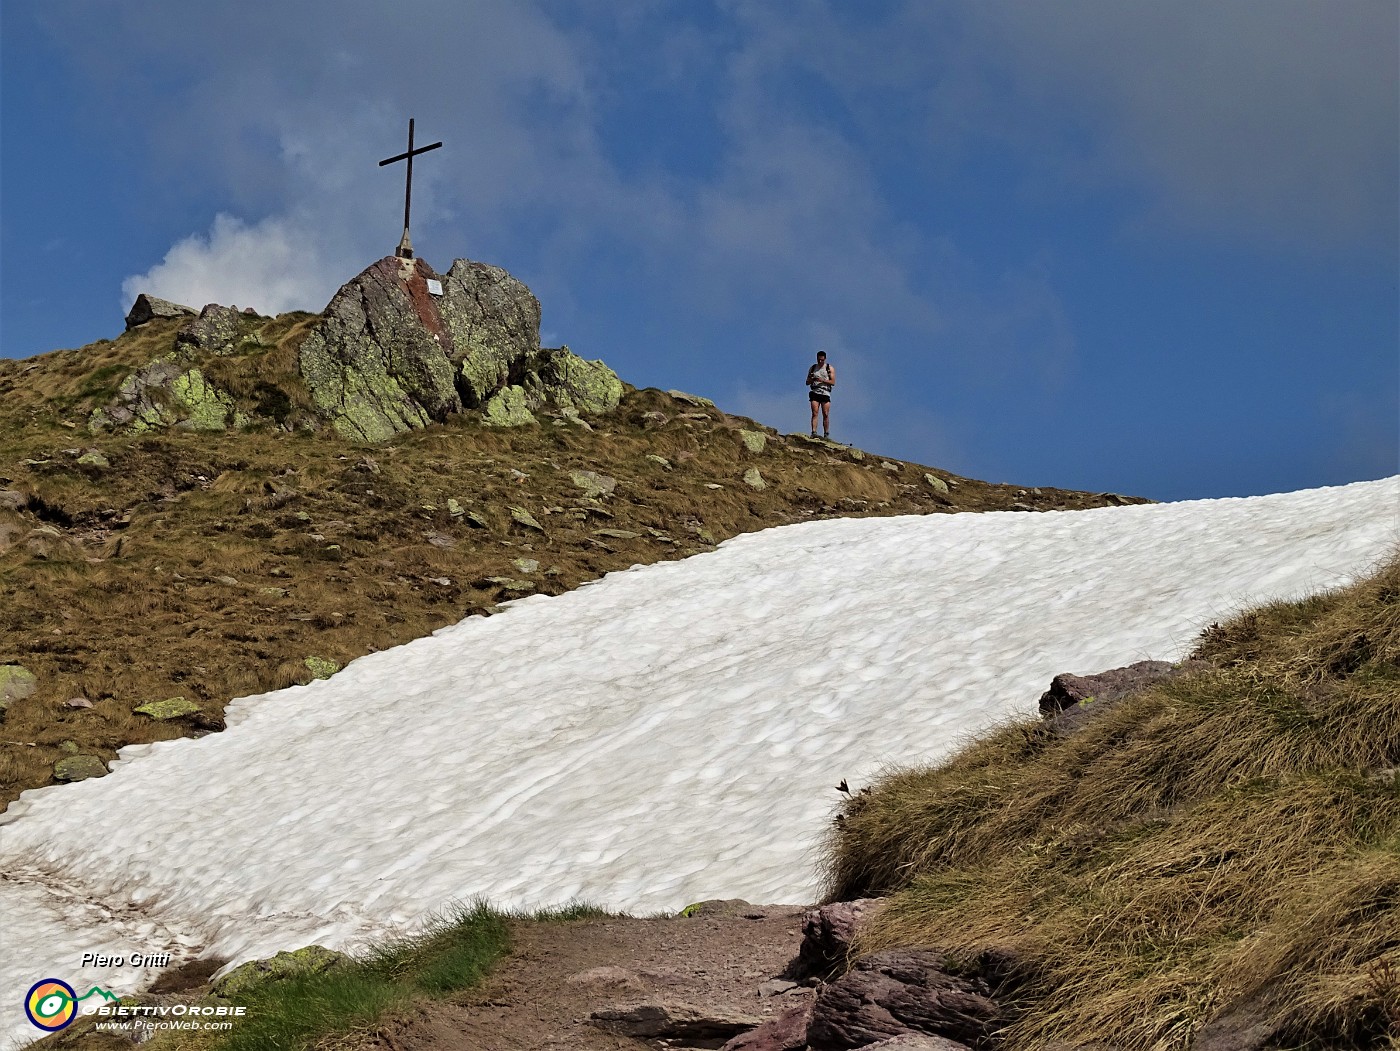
508, 408
16, 683
377, 365
321, 667
165, 393
79, 768
170, 708
214, 331
560, 377
494, 321
313, 959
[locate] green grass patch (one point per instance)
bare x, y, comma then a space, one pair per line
453, 952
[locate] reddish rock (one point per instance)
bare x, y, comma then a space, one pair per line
827, 933
897, 992
787, 1032
1073, 699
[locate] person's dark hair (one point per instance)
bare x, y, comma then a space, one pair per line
821, 353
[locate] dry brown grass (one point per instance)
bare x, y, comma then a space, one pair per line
212, 565
1228, 841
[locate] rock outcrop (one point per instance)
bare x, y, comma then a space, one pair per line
214, 331
398, 347
148, 308
827, 933
168, 392
402, 346
897, 992
494, 321
378, 364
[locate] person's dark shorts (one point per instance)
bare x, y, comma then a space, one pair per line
820, 399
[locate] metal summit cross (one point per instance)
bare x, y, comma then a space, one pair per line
405, 249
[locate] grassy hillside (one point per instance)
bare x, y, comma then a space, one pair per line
211, 565
1218, 856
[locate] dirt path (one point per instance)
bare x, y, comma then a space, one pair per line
662, 978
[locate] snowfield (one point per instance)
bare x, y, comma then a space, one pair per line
667, 734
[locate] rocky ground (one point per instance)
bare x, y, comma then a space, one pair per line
618, 982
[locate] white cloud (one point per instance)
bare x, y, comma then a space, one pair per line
272, 266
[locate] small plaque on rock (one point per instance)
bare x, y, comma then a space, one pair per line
434, 287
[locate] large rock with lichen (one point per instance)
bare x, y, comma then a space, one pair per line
169, 392
561, 378
215, 330
378, 363
495, 324
395, 352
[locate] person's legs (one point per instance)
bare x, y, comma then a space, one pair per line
814, 417
826, 420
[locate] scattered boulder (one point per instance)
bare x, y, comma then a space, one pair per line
1073, 699
754, 441
671, 1021
94, 459
12, 501
754, 480
523, 517
897, 992
938, 485
79, 768
16, 683
691, 399
170, 708
526, 565
166, 393
1244, 1027
313, 959
660, 461
827, 933
148, 308
916, 1042
214, 331
511, 584
594, 485
560, 377
321, 667
46, 541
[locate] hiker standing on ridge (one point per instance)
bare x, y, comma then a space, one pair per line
821, 377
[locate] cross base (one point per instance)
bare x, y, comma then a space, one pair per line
405, 248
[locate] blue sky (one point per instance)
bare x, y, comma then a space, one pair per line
1146, 248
